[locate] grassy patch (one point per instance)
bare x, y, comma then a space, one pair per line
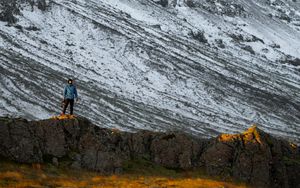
138, 174
147, 168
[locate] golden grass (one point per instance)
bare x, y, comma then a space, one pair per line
250, 135
293, 145
62, 117
13, 175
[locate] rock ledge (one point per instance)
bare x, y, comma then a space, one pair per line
253, 156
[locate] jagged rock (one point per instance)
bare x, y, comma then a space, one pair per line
248, 49
102, 150
253, 156
221, 7
42, 5
199, 35
190, 3
291, 61
8, 8
17, 141
163, 3
220, 43
217, 159
175, 150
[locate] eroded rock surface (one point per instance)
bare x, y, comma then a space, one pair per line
253, 156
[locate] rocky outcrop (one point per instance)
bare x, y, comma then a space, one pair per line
8, 8
253, 156
42, 5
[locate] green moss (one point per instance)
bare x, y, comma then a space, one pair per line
65, 161
145, 167
4, 183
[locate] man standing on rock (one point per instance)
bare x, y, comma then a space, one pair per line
70, 93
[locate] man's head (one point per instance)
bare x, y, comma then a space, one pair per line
70, 81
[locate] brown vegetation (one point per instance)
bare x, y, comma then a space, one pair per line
22, 175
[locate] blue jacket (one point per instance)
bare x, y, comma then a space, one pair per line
70, 92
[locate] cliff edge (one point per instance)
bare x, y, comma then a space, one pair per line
254, 156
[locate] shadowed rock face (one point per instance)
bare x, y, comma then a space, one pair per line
253, 156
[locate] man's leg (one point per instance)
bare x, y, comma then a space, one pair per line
71, 106
66, 106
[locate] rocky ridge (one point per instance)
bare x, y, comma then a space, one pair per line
253, 156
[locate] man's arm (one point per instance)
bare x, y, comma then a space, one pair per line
75, 93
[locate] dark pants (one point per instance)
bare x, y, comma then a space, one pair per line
67, 101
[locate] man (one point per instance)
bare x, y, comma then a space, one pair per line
70, 93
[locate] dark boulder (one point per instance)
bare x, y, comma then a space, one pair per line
176, 150
253, 157
8, 10
163, 3
42, 5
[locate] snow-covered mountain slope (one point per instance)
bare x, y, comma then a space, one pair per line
197, 66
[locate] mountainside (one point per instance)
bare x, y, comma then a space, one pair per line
253, 157
201, 67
